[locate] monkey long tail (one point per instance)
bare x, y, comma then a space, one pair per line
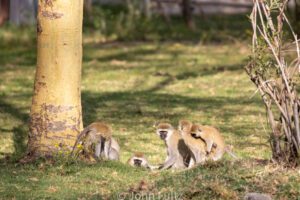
79, 137
228, 150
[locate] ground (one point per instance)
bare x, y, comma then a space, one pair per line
131, 85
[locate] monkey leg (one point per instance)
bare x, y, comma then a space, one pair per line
200, 157
169, 163
113, 154
218, 155
192, 162
97, 151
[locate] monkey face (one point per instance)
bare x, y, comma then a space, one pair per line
137, 162
194, 135
196, 132
164, 130
163, 134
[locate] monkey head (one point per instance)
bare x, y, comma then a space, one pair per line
138, 160
104, 129
196, 131
164, 130
184, 126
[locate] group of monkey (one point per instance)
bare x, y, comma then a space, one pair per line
190, 145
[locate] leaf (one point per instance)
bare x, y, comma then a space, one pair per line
33, 179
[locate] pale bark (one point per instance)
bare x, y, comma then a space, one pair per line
55, 117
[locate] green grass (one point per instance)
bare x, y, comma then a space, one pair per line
130, 25
132, 85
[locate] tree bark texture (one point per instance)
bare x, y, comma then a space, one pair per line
187, 14
55, 117
4, 11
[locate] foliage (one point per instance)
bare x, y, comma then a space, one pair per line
276, 77
128, 24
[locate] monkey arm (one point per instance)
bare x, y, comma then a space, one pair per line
168, 163
167, 158
209, 145
79, 138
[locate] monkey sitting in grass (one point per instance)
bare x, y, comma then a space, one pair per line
96, 140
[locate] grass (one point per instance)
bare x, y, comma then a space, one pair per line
131, 85
130, 25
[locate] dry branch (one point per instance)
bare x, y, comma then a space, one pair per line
274, 76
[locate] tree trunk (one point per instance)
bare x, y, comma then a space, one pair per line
88, 7
297, 10
187, 14
161, 7
4, 11
55, 117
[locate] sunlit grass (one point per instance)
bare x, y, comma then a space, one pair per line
132, 85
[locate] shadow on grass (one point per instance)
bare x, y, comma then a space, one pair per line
20, 136
20, 133
128, 108
13, 57
213, 180
11, 109
166, 67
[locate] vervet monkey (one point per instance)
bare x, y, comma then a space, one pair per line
195, 145
139, 160
215, 145
178, 154
97, 140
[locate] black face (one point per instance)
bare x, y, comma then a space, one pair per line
194, 135
137, 162
163, 134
